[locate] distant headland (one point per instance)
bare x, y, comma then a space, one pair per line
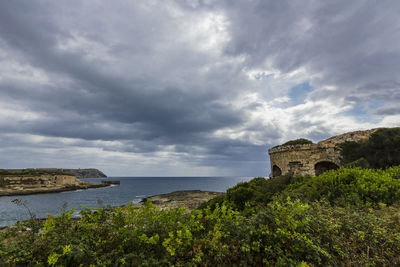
47, 180
79, 173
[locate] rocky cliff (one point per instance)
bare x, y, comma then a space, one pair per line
356, 136
35, 181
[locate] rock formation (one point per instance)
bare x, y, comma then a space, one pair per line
190, 199
34, 181
312, 159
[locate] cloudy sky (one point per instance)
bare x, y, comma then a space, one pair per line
195, 87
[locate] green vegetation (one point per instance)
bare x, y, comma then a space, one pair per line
300, 141
345, 217
3, 182
30, 172
381, 150
354, 187
251, 194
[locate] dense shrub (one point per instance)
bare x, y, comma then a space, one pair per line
342, 187
128, 236
300, 141
350, 187
246, 194
3, 182
283, 233
319, 234
381, 150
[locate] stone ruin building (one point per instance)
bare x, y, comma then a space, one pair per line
312, 159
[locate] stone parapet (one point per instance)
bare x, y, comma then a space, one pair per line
280, 149
312, 159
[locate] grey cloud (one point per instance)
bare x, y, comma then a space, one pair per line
351, 45
142, 112
393, 110
148, 86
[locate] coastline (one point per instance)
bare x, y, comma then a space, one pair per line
54, 189
191, 199
131, 189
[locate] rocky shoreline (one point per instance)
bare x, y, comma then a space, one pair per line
14, 182
190, 199
54, 189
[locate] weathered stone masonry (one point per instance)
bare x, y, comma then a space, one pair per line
308, 159
312, 159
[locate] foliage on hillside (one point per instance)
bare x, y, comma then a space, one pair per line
346, 187
252, 193
347, 217
355, 187
30, 172
381, 150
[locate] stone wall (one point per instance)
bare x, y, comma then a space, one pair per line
302, 159
312, 159
356, 136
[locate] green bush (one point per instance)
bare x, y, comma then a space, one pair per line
342, 187
361, 162
283, 233
381, 150
350, 187
257, 191
300, 141
3, 182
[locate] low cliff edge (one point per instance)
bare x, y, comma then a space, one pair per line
37, 181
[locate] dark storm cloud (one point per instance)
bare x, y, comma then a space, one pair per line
88, 101
153, 76
168, 112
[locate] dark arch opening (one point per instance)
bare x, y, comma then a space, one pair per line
324, 166
276, 171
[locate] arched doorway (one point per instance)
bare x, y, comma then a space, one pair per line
324, 166
276, 171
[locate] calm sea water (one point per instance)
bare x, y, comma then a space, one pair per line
130, 189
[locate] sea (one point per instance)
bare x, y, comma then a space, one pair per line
131, 189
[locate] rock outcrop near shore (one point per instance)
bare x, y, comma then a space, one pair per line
190, 199
37, 181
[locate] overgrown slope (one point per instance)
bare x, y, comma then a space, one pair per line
346, 217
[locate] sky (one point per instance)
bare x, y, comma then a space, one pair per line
190, 87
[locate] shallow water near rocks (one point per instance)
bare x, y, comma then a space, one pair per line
131, 189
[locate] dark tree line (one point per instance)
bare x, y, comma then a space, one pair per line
381, 150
